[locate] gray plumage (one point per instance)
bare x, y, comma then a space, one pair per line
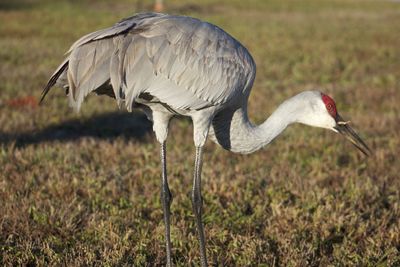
180, 61
176, 65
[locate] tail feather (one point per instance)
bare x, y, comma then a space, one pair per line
53, 80
87, 66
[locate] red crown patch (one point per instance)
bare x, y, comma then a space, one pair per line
330, 105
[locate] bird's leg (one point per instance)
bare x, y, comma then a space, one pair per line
197, 203
166, 199
160, 128
201, 125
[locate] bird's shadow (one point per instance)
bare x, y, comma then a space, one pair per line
104, 126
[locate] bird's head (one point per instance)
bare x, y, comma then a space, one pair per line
322, 112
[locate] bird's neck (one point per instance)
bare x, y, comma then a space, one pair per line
234, 132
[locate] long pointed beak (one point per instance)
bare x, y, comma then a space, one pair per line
343, 127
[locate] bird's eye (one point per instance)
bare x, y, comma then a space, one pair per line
330, 108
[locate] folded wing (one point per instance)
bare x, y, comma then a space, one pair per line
180, 61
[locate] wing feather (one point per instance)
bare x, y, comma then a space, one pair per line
183, 62
88, 69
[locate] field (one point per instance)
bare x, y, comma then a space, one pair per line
83, 189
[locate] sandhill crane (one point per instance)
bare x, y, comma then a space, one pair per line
176, 65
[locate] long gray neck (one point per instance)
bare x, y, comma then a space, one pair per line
234, 132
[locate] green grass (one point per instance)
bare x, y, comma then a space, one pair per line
83, 189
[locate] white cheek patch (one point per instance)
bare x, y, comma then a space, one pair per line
313, 106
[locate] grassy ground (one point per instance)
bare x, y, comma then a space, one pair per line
83, 189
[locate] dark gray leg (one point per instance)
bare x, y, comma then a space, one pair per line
166, 199
197, 203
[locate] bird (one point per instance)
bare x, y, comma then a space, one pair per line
172, 65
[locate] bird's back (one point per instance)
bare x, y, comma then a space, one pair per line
180, 61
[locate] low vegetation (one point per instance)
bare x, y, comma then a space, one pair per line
83, 189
